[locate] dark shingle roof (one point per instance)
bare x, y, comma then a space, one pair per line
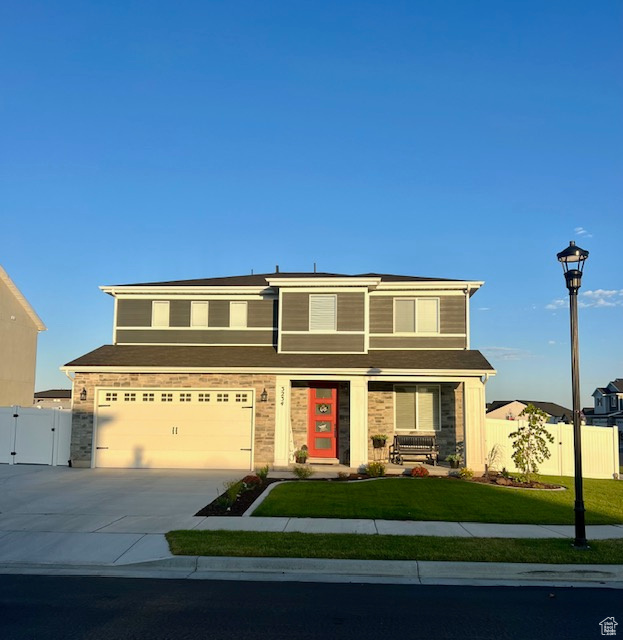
54, 393
259, 279
618, 384
267, 357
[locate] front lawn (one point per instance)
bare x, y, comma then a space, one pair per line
255, 544
444, 499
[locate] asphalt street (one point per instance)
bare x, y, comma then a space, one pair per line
44, 607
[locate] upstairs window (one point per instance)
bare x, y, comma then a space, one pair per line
416, 315
238, 315
198, 314
159, 314
323, 313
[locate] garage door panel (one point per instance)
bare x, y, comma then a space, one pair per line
174, 434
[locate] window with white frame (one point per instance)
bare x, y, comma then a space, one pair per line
323, 313
238, 315
160, 313
198, 314
417, 407
416, 315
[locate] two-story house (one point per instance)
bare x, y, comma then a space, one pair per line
241, 371
608, 409
19, 330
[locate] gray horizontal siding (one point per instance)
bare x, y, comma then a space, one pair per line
179, 313
381, 314
218, 313
295, 312
451, 312
428, 342
351, 311
315, 342
194, 336
134, 313
262, 313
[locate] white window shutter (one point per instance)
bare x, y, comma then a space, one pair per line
160, 313
322, 313
199, 314
238, 314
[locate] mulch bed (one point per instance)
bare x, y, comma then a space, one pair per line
514, 482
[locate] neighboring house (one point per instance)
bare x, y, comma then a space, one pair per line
19, 328
608, 409
53, 399
240, 371
510, 410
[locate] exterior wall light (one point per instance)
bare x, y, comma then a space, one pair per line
264, 396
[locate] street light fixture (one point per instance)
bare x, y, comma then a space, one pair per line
573, 259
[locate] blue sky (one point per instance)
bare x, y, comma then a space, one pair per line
166, 140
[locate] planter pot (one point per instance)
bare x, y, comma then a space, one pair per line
301, 460
378, 444
454, 464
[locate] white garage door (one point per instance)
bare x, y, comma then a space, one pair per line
174, 428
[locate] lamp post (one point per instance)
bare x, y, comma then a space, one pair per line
572, 259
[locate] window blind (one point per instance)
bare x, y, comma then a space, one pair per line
322, 313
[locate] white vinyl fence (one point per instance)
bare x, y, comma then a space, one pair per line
600, 449
34, 436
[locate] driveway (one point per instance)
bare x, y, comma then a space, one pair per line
62, 499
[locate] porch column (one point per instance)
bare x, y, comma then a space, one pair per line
358, 421
282, 420
474, 411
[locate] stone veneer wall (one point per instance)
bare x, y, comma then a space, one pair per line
82, 419
381, 416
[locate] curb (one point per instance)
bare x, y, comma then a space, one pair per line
343, 571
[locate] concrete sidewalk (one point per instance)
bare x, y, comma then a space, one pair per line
135, 546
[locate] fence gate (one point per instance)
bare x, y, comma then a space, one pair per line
34, 436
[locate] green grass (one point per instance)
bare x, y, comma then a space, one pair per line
383, 547
445, 499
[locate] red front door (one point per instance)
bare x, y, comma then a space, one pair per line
322, 423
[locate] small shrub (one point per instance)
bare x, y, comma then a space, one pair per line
343, 475
419, 472
466, 473
302, 472
375, 469
262, 473
493, 459
251, 482
231, 493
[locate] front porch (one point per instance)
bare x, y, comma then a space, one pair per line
449, 408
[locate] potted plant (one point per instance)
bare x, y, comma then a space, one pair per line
301, 455
379, 440
454, 459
